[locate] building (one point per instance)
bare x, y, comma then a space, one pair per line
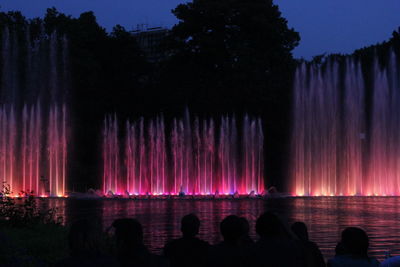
150, 40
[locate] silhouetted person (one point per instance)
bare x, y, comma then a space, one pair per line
188, 250
313, 255
229, 252
339, 249
276, 246
391, 262
130, 248
85, 245
245, 239
354, 249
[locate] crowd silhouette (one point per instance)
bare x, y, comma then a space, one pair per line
278, 246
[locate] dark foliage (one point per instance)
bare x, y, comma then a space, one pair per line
24, 212
230, 55
234, 56
108, 72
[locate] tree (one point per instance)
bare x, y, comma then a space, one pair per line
235, 56
235, 50
107, 72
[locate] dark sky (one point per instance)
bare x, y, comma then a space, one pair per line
332, 26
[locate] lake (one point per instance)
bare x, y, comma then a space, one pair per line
325, 217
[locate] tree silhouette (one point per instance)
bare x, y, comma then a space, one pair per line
234, 56
230, 50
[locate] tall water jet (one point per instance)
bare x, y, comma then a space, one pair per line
33, 113
384, 167
194, 158
337, 148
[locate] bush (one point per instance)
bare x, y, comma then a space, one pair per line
29, 236
24, 213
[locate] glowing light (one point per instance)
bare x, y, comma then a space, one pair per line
332, 153
196, 156
33, 134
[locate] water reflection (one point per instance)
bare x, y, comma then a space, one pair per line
325, 217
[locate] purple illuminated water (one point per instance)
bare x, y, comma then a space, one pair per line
33, 114
196, 158
346, 137
326, 217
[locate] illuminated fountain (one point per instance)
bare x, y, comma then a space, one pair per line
346, 137
193, 158
33, 115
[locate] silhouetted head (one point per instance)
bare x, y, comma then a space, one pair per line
84, 238
245, 225
190, 225
300, 230
269, 225
231, 229
355, 241
128, 232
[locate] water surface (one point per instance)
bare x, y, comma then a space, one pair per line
325, 217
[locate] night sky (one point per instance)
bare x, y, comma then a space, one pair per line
325, 26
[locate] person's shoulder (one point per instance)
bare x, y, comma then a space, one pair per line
393, 261
173, 242
348, 260
338, 260
192, 242
202, 242
171, 246
99, 260
156, 260
374, 262
312, 245
216, 248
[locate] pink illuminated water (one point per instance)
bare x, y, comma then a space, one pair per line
33, 114
344, 143
194, 157
325, 217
